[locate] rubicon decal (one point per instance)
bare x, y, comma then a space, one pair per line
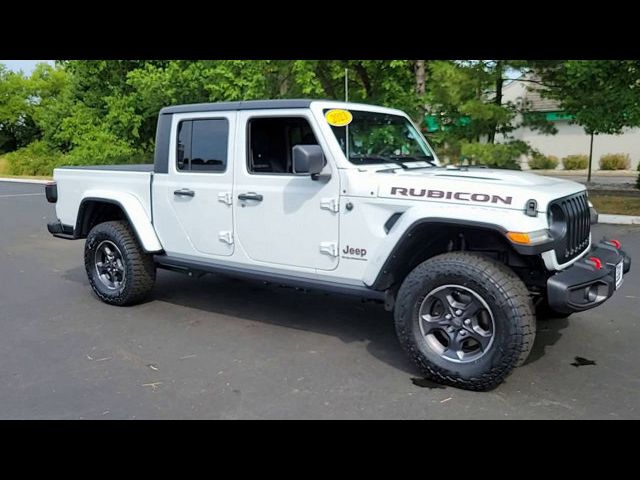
463, 196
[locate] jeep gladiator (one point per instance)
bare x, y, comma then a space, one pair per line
351, 199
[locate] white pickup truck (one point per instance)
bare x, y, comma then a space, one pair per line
346, 198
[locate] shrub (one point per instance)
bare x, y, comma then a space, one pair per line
101, 148
539, 161
39, 158
575, 162
615, 161
36, 158
498, 155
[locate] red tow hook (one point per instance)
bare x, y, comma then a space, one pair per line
615, 243
596, 262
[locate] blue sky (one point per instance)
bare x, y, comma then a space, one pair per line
26, 66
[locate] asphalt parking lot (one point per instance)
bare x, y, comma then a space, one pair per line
227, 349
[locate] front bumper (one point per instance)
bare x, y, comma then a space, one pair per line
583, 285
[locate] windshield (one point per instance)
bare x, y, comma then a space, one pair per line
374, 138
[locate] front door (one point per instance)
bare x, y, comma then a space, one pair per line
282, 218
193, 203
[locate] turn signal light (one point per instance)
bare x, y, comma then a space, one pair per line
519, 237
596, 262
529, 238
616, 243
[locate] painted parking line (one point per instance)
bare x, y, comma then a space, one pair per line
21, 195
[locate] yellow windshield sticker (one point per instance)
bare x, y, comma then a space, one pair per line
338, 118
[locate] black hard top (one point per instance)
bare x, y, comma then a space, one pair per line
245, 105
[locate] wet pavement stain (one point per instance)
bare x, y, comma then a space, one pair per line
426, 383
581, 362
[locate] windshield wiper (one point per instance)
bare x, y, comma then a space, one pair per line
415, 158
377, 159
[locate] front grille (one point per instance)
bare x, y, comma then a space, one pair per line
576, 212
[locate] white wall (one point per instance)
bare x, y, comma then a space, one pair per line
571, 139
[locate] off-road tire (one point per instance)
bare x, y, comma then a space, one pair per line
139, 266
503, 292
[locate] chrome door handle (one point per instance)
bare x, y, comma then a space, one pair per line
250, 196
185, 192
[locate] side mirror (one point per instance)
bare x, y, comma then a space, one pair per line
308, 160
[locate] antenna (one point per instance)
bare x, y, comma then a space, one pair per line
346, 84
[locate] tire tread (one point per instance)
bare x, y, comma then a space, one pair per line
514, 293
141, 270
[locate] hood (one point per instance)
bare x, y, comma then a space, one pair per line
479, 186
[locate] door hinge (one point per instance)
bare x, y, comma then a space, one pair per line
226, 237
225, 197
332, 204
330, 248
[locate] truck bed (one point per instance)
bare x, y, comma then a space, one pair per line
122, 183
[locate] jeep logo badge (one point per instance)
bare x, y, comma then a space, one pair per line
351, 252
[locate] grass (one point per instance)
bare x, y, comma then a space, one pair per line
616, 205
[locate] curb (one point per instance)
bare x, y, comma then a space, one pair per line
618, 219
584, 173
24, 180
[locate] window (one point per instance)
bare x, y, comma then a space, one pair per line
271, 140
202, 145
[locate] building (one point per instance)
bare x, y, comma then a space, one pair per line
571, 138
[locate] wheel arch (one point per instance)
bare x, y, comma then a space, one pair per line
428, 237
98, 209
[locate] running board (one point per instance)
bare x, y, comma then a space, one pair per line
196, 268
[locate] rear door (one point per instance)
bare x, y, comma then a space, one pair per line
193, 207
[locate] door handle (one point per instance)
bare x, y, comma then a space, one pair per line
185, 192
250, 196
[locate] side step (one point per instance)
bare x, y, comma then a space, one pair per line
197, 268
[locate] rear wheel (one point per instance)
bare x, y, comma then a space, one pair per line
466, 320
119, 271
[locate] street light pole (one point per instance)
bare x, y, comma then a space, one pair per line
590, 158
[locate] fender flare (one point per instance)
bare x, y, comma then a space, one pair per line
133, 210
375, 277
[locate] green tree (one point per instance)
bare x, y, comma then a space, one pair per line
466, 100
602, 95
17, 128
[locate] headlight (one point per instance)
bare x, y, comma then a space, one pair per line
557, 221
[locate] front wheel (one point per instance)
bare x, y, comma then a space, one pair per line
119, 271
466, 320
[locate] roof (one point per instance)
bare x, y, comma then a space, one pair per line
535, 102
244, 105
